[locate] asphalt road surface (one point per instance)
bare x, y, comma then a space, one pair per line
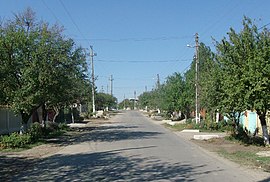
133, 148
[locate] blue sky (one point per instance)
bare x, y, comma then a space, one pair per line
137, 39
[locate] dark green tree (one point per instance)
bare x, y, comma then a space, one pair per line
38, 65
104, 101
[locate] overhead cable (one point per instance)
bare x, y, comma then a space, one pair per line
144, 61
136, 39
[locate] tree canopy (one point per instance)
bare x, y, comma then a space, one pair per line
39, 65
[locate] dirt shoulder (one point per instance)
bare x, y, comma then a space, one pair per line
13, 162
245, 155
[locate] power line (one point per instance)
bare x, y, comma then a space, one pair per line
221, 18
51, 11
264, 26
136, 39
72, 20
144, 61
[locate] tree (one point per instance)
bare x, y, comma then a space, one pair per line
38, 65
189, 90
173, 93
104, 101
244, 60
209, 80
126, 103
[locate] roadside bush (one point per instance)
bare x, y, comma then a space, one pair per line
15, 140
63, 127
51, 126
33, 135
189, 121
246, 138
36, 132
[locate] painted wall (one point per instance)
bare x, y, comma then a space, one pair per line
9, 122
250, 120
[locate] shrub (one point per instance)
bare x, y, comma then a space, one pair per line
15, 140
51, 126
63, 126
36, 132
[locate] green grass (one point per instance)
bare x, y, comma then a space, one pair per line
180, 127
177, 127
25, 147
247, 158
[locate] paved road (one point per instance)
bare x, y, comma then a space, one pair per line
134, 149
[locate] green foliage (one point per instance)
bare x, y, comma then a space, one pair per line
205, 125
209, 79
170, 96
39, 66
63, 127
244, 136
103, 100
15, 140
36, 132
33, 135
245, 62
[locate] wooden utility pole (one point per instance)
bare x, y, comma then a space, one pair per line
134, 100
92, 54
111, 83
197, 105
158, 81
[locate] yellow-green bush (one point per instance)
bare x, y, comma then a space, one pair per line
15, 140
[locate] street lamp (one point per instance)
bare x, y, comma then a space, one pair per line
197, 114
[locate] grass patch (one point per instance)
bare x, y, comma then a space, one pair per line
247, 158
181, 127
176, 127
203, 126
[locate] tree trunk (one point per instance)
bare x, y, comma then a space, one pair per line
72, 116
262, 117
44, 115
57, 112
25, 118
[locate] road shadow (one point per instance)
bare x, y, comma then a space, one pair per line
115, 135
109, 166
110, 127
11, 166
265, 180
108, 133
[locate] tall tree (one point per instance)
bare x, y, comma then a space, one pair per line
38, 64
209, 76
173, 91
244, 60
104, 101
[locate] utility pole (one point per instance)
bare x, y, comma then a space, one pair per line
92, 54
111, 83
124, 102
134, 99
102, 89
158, 81
197, 105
